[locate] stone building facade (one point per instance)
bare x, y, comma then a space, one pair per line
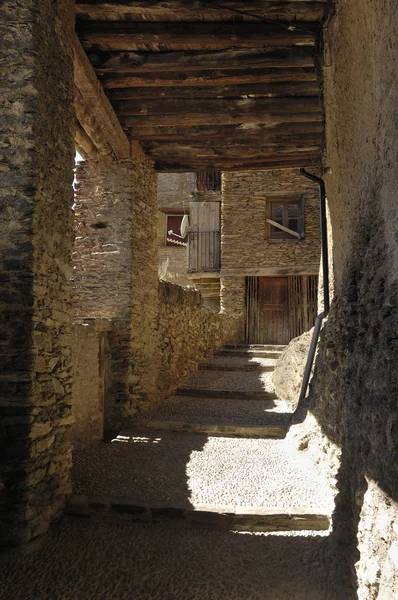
247, 247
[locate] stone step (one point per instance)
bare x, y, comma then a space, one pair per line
218, 517
264, 347
212, 366
247, 431
224, 394
232, 352
221, 416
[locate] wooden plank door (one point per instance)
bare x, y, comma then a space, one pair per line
268, 310
303, 303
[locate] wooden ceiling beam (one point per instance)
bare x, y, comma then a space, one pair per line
134, 36
183, 153
298, 141
93, 109
236, 165
146, 62
226, 132
175, 10
209, 78
220, 119
279, 89
210, 106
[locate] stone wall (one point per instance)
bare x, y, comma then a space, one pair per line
356, 379
233, 301
91, 379
188, 333
174, 189
244, 230
36, 237
116, 276
103, 251
144, 299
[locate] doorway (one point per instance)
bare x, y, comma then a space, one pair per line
279, 309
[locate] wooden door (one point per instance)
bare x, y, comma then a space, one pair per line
303, 303
268, 319
280, 308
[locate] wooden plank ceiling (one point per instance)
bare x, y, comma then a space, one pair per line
210, 85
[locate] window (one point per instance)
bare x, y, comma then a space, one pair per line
289, 214
173, 235
207, 181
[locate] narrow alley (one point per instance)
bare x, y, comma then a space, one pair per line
208, 497
198, 300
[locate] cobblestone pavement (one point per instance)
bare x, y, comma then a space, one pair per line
192, 470
170, 559
86, 560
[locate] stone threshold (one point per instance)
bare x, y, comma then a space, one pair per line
279, 432
224, 394
208, 366
226, 518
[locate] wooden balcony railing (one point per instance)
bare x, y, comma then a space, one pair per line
204, 250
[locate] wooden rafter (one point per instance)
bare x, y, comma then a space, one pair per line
270, 90
203, 85
208, 78
232, 133
146, 62
197, 10
270, 106
128, 36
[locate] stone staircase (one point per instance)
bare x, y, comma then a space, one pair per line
214, 454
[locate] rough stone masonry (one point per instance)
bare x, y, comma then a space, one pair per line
356, 380
36, 238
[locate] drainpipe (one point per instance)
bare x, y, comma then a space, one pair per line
326, 298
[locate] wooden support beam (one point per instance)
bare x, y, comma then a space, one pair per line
270, 90
236, 165
209, 78
188, 152
91, 127
272, 106
196, 10
271, 271
92, 106
83, 143
146, 62
269, 141
133, 36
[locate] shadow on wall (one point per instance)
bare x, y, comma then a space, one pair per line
353, 398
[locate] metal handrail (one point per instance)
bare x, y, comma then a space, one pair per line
326, 292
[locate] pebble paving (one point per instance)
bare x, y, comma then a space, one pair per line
84, 560
187, 469
170, 559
